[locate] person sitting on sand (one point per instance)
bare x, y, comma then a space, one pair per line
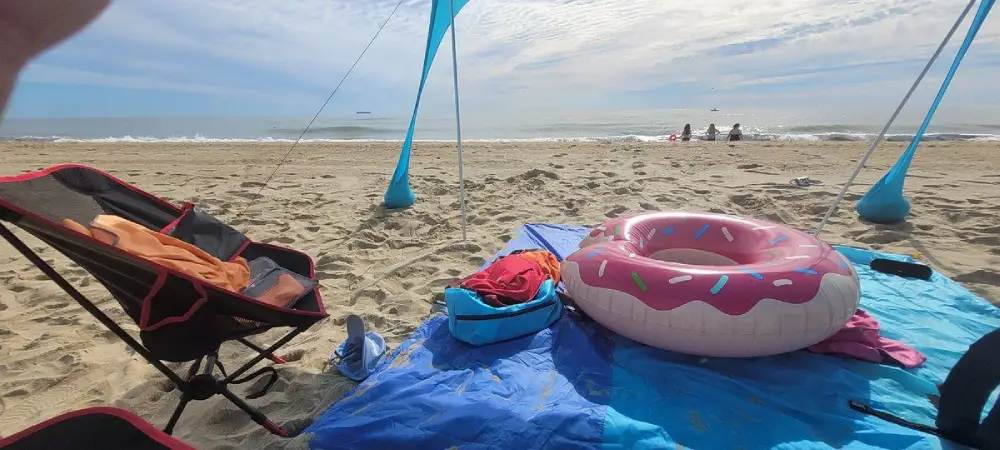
686, 134
735, 134
712, 132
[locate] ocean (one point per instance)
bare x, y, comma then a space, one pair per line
563, 126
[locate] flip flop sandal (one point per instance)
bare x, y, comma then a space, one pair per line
361, 353
804, 182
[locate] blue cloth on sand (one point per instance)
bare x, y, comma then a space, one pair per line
575, 385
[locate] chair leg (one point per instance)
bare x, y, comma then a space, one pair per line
269, 355
255, 415
193, 370
262, 355
84, 302
169, 429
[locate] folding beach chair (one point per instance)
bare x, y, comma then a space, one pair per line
180, 318
93, 429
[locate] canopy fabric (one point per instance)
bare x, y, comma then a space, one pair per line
399, 194
884, 202
576, 385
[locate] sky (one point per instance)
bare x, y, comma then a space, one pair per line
257, 57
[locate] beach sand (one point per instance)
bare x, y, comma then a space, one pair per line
387, 266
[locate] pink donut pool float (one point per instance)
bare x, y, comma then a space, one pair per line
712, 284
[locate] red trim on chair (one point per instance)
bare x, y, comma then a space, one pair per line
136, 421
161, 278
184, 211
50, 170
246, 243
144, 324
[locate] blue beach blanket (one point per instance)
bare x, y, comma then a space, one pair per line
576, 385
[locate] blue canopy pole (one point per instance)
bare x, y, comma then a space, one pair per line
885, 202
892, 119
399, 194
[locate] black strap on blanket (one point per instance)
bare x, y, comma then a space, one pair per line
888, 417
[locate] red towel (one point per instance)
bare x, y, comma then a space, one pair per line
510, 280
860, 339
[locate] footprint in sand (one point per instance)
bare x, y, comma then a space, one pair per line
880, 237
981, 276
992, 230
362, 245
984, 240
336, 263
534, 174
241, 194
376, 295
462, 247
614, 212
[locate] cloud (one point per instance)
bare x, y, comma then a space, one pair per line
42, 73
519, 53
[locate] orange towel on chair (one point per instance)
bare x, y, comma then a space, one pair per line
166, 250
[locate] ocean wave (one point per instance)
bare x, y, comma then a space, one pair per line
30, 138
342, 129
789, 136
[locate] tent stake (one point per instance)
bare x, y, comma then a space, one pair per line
458, 120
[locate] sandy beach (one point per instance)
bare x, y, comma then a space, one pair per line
387, 266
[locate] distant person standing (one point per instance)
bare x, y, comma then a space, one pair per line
735, 134
712, 132
686, 134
